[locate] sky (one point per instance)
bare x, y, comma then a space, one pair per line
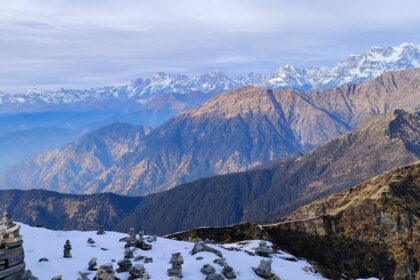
90, 43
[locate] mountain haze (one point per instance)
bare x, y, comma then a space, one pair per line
238, 130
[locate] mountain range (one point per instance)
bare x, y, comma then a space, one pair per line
232, 132
266, 193
354, 69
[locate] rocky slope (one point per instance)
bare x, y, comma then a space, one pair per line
368, 230
238, 130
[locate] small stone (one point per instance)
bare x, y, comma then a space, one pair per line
100, 230
43, 260
105, 272
199, 258
124, 265
152, 238
82, 276
207, 269
92, 264
58, 277
215, 276
228, 272
220, 261
128, 253
90, 241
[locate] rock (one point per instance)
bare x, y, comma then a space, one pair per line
43, 260
92, 264
264, 269
82, 276
152, 238
176, 260
263, 250
207, 269
100, 230
59, 277
90, 241
67, 250
220, 261
199, 258
202, 247
124, 265
128, 253
228, 272
148, 260
105, 272
215, 276
138, 272
28, 276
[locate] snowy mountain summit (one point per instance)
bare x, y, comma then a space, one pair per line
354, 69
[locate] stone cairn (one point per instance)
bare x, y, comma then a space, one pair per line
264, 270
105, 272
67, 250
124, 265
12, 258
176, 270
100, 230
138, 272
228, 272
263, 250
132, 241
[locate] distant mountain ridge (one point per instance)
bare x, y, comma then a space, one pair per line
354, 69
233, 132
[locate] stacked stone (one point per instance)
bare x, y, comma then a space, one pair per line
138, 272
67, 250
100, 230
176, 270
264, 270
105, 272
263, 250
124, 265
228, 272
92, 264
207, 269
12, 259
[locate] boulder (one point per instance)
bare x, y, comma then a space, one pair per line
207, 269
203, 247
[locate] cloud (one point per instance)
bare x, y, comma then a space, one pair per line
84, 43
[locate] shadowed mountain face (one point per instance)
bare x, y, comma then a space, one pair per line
273, 191
66, 211
232, 132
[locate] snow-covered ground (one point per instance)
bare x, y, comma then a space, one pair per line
44, 243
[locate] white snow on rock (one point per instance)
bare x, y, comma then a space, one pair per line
44, 243
354, 69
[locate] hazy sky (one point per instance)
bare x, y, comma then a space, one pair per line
85, 43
